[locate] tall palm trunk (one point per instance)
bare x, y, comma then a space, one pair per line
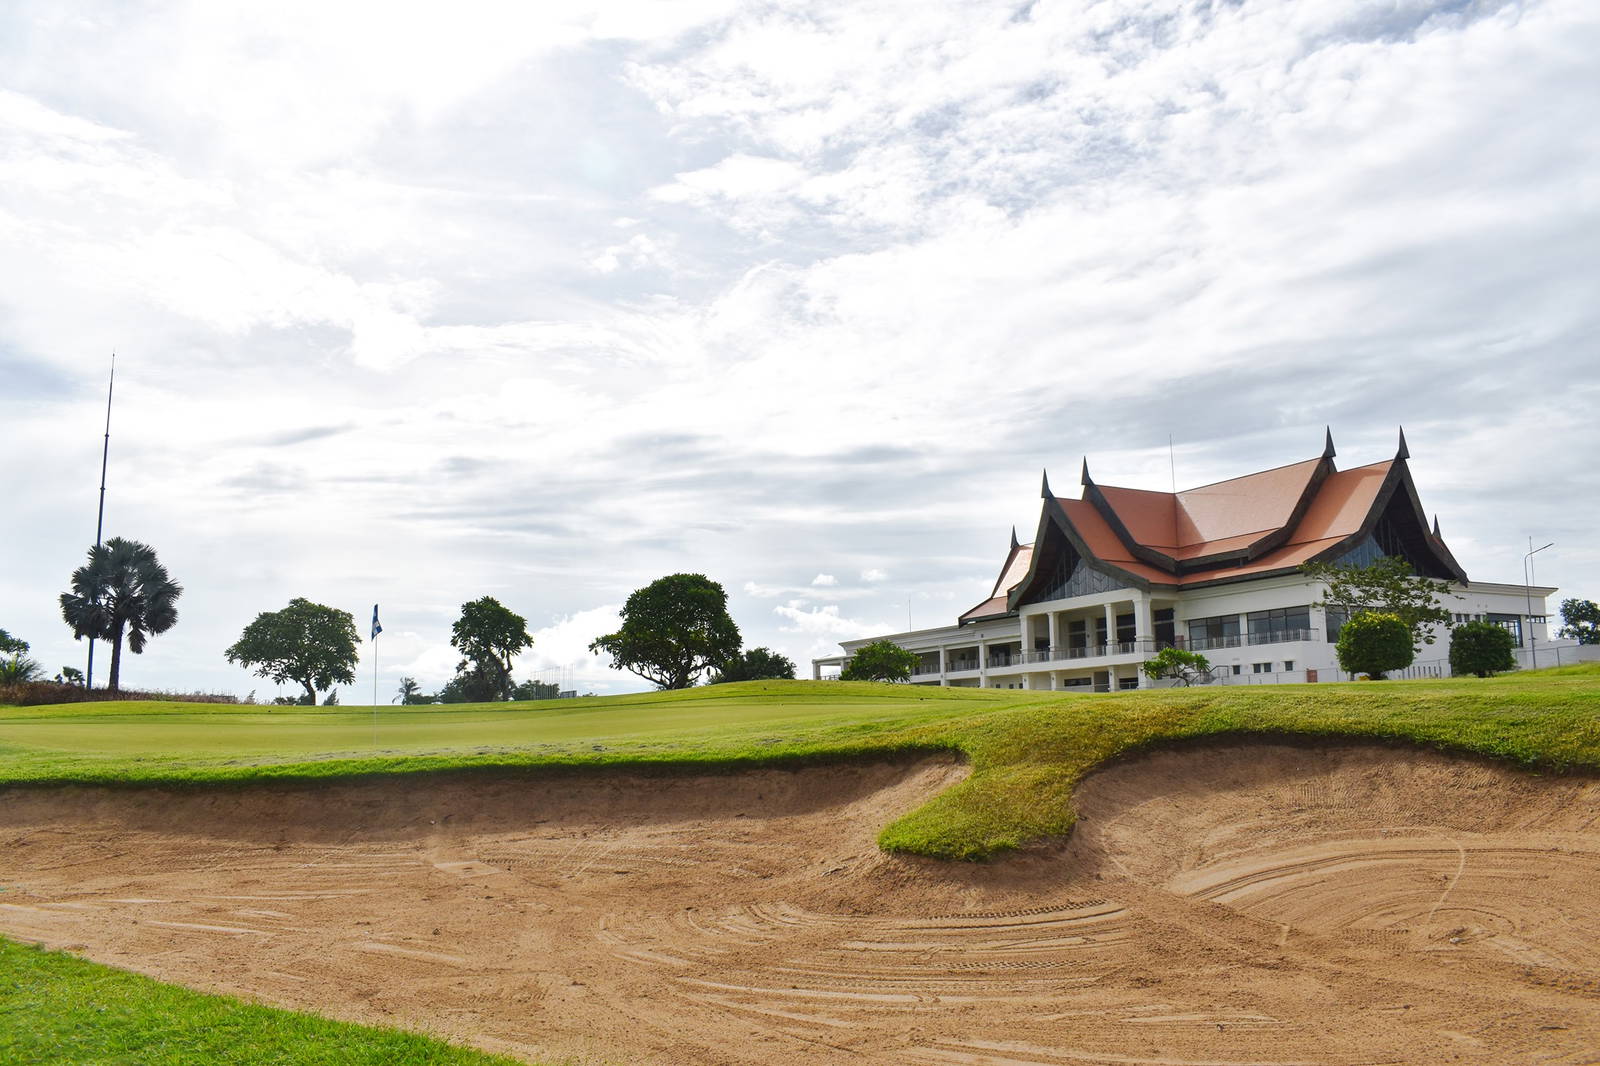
116, 657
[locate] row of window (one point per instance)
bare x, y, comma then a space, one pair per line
1264, 627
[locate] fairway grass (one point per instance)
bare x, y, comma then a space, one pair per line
55, 1008
1027, 750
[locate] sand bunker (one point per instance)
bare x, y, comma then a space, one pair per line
1252, 904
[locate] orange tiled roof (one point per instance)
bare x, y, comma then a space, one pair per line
1227, 519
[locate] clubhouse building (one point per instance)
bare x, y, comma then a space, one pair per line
1117, 574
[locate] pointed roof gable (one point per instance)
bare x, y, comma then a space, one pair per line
1271, 521
1018, 560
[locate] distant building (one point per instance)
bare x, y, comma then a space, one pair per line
1114, 576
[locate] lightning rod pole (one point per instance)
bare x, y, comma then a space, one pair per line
100, 518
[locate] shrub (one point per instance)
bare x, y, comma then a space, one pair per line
1179, 664
1481, 649
1373, 643
39, 693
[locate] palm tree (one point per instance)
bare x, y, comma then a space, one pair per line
409, 691
122, 591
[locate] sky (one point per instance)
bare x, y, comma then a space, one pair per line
418, 303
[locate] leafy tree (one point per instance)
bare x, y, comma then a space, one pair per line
123, 590
1373, 643
15, 666
410, 693
537, 690
70, 675
1481, 648
882, 660
1388, 585
1582, 621
673, 630
312, 645
10, 645
1180, 664
756, 664
488, 635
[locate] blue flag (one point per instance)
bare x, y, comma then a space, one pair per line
376, 628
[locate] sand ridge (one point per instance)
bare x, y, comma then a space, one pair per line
1249, 903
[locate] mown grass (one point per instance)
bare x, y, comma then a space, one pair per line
1027, 750
55, 1008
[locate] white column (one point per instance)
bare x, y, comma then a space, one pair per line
1111, 623
983, 664
1144, 617
1055, 638
944, 681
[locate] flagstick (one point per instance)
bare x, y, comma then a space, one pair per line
374, 693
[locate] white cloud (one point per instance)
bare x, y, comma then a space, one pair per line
826, 621
824, 581
602, 293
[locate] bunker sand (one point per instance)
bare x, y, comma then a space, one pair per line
1248, 904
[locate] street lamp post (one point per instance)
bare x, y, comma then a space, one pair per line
1527, 586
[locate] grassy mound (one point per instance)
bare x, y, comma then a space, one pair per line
1027, 750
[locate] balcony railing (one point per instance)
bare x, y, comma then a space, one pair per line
1283, 636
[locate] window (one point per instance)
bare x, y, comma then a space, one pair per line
1077, 634
1511, 623
1279, 624
1288, 664
1166, 631
1219, 631
1261, 668
1127, 682
1126, 630
1238, 669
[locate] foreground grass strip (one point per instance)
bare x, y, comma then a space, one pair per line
56, 1008
1027, 750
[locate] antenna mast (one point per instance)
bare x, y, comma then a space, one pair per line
100, 518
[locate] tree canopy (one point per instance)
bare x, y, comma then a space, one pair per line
488, 635
1481, 648
755, 664
882, 660
1388, 585
123, 591
673, 630
1581, 620
307, 643
1374, 643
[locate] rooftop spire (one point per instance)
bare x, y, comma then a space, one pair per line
1436, 525
1085, 479
1044, 488
1014, 534
1327, 447
1404, 452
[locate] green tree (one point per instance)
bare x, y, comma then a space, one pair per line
1374, 643
1180, 664
70, 675
673, 630
410, 693
488, 635
756, 664
1388, 585
882, 660
15, 666
1581, 620
123, 591
307, 643
537, 690
1481, 648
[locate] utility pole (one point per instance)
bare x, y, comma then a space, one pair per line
1527, 586
100, 519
